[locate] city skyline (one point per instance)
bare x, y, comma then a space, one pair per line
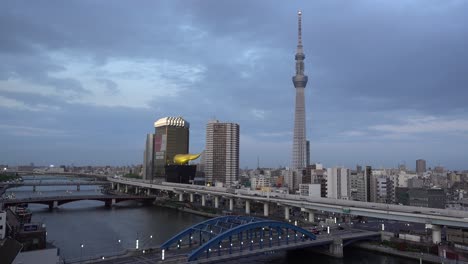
80, 84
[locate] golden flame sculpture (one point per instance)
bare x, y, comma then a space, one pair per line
181, 159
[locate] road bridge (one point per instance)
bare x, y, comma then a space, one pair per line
34, 184
230, 237
78, 174
55, 201
434, 218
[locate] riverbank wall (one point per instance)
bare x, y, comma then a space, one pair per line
424, 257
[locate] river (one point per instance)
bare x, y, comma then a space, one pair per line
104, 231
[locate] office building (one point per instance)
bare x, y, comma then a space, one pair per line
422, 197
300, 81
222, 153
420, 166
170, 138
148, 158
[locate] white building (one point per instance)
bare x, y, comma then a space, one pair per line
338, 184
260, 181
403, 177
311, 190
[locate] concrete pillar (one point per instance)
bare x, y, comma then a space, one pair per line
216, 198
247, 207
55, 204
231, 204
126, 188
136, 190
181, 197
203, 200
436, 236
118, 187
148, 192
286, 213
311, 216
112, 186
113, 201
336, 248
191, 197
265, 209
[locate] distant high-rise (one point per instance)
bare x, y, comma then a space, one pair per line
420, 166
222, 153
300, 81
369, 180
148, 158
171, 138
308, 154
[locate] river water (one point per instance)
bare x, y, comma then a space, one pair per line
104, 231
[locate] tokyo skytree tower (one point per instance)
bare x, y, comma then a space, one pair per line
300, 82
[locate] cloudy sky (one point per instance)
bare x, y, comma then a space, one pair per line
83, 81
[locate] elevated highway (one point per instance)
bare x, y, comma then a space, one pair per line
435, 218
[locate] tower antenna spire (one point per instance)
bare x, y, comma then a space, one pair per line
299, 28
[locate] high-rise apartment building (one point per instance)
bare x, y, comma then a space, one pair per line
300, 81
170, 138
358, 185
222, 153
420, 166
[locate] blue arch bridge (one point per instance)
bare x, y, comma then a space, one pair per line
230, 237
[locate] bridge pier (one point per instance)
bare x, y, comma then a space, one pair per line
436, 234
136, 189
118, 187
216, 198
336, 248
53, 204
286, 213
265, 209
112, 186
126, 188
148, 192
191, 197
181, 197
203, 200
247, 207
109, 203
231, 204
311, 216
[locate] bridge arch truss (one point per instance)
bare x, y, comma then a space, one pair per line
235, 234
